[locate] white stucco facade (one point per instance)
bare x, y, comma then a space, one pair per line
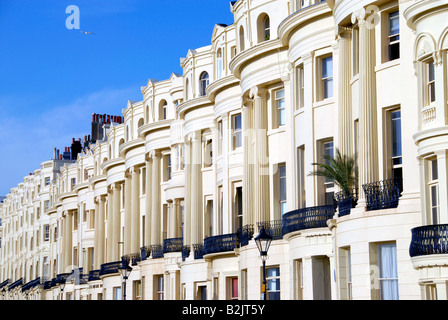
179, 187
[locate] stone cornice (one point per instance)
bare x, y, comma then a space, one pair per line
112, 163
295, 20
192, 104
244, 57
220, 84
145, 129
131, 144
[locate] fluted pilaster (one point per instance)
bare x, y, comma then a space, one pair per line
196, 188
155, 190
368, 154
135, 211
345, 122
248, 167
261, 161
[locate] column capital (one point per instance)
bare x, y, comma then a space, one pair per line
257, 92
134, 170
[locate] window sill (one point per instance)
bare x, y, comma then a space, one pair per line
387, 65
324, 102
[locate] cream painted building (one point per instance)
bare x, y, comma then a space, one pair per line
178, 185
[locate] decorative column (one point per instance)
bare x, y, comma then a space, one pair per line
127, 213
345, 121
196, 188
187, 192
68, 241
148, 203
261, 161
116, 221
101, 231
155, 191
110, 224
135, 211
442, 164
368, 150
248, 166
96, 235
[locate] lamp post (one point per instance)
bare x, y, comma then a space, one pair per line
125, 270
263, 241
61, 287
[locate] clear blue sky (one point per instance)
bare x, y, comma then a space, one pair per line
52, 79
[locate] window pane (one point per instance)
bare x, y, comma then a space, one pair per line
394, 23
388, 274
237, 123
273, 272
327, 67
396, 133
281, 117
328, 88
431, 76
434, 171
434, 196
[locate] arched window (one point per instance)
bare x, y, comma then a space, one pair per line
219, 63
264, 28
140, 122
241, 35
187, 87
147, 114
163, 105
203, 83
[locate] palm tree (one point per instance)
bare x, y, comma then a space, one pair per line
341, 170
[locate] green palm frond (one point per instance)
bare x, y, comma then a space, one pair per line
341, 170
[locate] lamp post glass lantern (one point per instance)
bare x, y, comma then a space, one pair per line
263, 241
125, 270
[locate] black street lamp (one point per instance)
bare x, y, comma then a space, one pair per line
263, 241
61, 287
125, 270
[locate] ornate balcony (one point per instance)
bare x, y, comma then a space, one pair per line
15, 284
221, 243
145, 252
245, 234
112, 267
31, 284
157, 251
273, 228
382, 194
346, 202
198, 250
307, 218
185, 252
94, 275
172, 245
430, 239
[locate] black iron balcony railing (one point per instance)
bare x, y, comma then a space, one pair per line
346, 201
15, 284
132, 258
4, 283
61, 278
430, 239
112, 267
31, 284
172, 245
198, 250
185, 252
273, 228
94, 275
156, 251
145, 252
221, 243
307, 218
382, 194
245, 234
